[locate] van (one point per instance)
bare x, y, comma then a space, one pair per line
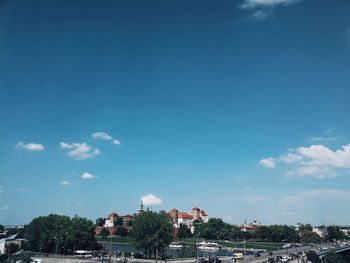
237, 256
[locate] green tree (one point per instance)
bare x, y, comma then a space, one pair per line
2, 228
311, 237
48, 233
335, 258
100, 221
152, 232
334, 233
121, 231
104, 233
312, 256
183, 232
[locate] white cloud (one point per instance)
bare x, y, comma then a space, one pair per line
65, 183
105, 136
252, 4
101, 135
151, 199
87, 176
30, 146
4, 208
262, 9
116, 142
321, 155
316, 161
291, 158
80, 151
268, 162
66, 145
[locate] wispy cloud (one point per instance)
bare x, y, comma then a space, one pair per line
322, 138
30, 146
101, 135
65, 183
80, 151
88, 176
151, 199
329, 194
105, 136
261, 9
23, 190
4, 208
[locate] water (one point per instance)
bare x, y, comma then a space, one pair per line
186, 252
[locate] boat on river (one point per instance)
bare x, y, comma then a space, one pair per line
208, 246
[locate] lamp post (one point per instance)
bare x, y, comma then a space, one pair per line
57, 240
245, 258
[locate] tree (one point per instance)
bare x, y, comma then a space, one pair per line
104, 233
121, 231
2, 228
183, 232
335, 258
312, 256
334, 233
48, 233
311, 237
100, 221
152, 232
12, 248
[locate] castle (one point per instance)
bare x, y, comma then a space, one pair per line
188, 218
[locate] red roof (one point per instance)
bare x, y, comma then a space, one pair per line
185, 215
195, 208
174, 209
128, 215
203, 213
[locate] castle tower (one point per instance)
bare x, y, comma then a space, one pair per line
175, 215
141, 208
195, 211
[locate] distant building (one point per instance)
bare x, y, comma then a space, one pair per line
188, 218
249, 227
111, 223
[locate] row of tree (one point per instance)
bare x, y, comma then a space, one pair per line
60, 234
217, 229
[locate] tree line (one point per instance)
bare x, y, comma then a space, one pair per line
218, 229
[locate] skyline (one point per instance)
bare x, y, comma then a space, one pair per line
238, 107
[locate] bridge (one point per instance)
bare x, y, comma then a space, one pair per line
335, 250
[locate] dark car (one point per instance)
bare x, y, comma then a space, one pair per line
257, 255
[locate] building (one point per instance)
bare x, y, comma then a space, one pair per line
188, 218
13, 239
249, 227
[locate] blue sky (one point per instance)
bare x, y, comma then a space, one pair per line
240, 107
